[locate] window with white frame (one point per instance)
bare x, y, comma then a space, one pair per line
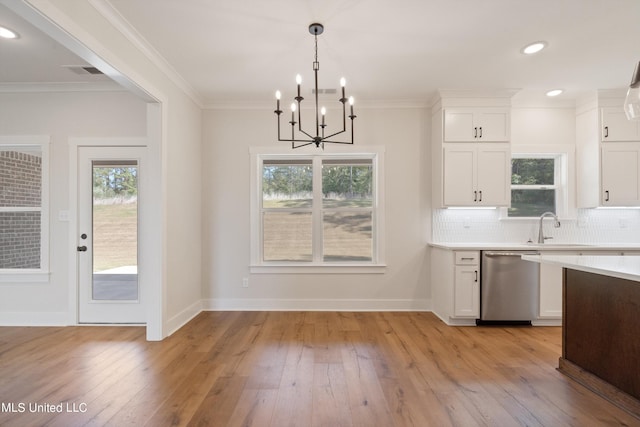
538, 185
316, 210
23, 205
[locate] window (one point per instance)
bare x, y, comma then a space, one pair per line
287, 202
316, 210
347, 209
538, 185
23, 205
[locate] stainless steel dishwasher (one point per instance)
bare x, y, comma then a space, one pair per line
509, 288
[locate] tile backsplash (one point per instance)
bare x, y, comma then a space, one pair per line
486, 225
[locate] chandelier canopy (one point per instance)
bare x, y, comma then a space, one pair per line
301, 137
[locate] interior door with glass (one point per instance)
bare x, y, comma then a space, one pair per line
109, 195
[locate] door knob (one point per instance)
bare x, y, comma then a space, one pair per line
82, 249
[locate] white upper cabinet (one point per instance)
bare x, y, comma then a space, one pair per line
471, 150
616, 127
620, 172
462, 124
607, 153
477, 174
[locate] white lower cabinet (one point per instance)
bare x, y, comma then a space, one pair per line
550, 303
466, 291
455, 285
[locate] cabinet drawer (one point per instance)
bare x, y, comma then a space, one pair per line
467, 257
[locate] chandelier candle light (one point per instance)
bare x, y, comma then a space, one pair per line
319, 138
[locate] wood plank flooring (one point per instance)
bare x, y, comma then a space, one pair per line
294, 369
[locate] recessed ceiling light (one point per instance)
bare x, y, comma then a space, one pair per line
554, 92
532, 48
6, 33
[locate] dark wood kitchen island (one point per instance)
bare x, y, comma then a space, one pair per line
601, 325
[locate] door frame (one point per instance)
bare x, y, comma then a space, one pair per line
91, 311
149, 268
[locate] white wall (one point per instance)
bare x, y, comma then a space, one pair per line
542, 125
176, 150
60, 116
228, 134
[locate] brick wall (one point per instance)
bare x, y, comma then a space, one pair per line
20, 186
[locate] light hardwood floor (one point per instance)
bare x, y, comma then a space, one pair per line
295, 369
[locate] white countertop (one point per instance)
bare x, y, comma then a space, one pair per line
623, 267
537, 247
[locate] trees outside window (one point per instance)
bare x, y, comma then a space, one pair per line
534, 185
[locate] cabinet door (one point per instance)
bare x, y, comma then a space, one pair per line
620, 168
494, 174
550, 303
466, 292
616, 126
493, 125
458, 125
459, 175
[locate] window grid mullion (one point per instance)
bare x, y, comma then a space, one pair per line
533, 187
317, 212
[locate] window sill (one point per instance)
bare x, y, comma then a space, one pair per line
13, 276
318, 269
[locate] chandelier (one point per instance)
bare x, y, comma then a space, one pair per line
301, 137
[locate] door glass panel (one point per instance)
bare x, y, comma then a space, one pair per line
115, 230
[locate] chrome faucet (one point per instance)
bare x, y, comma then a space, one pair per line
541, 237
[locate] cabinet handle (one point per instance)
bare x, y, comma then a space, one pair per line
480, 132
476, 279
470, 258
606, 196
606, 131
475, 132
475, 196
480, 193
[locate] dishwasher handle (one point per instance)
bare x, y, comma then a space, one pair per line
510, 253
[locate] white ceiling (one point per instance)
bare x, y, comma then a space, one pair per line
34, 59
243, 50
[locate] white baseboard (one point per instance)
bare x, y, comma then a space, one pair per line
266, 304
34, 318
182, 318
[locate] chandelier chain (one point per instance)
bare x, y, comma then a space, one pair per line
316, 37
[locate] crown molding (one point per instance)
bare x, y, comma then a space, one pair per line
477, 93
361, 104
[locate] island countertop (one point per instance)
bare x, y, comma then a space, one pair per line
623, 267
